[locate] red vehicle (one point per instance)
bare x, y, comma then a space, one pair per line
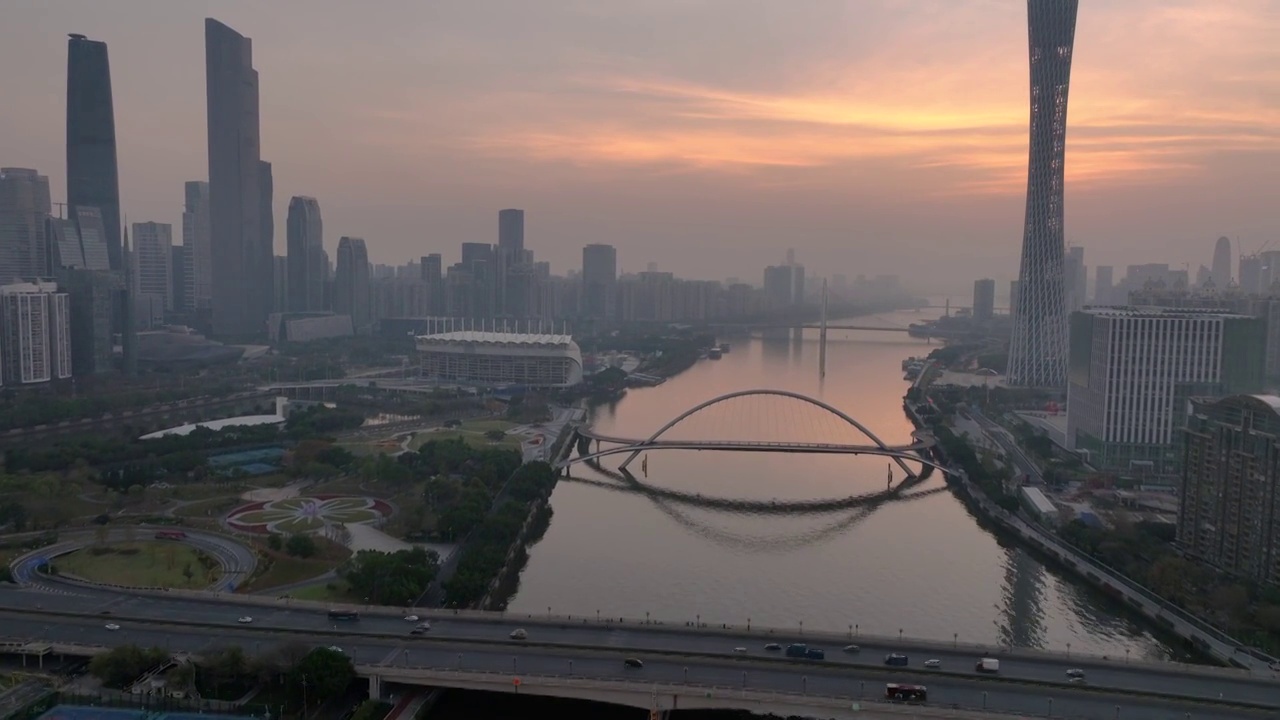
907, 693
170, 535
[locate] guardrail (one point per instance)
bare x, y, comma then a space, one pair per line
854, 634
654, 695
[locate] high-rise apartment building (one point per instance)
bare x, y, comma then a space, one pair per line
1038, 347
1221, 270
984, 299
24, 205
197, 239
351, 294
1132, 371
152, 258
1229, 514
35, 333
305, 231
432, 272
241, 267
599, 281
92, 174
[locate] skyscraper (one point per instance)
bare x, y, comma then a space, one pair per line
984, 299
511, 234
305, 235
241, 262
1075, 278
92, 173
266, 233
196, 239
599, 280
1038, 349
1103, 285
35, 333
24, 205
351, 283
1221, 271
152, 256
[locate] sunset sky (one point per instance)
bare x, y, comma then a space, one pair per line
706, 135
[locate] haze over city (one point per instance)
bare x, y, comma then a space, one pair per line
704, 135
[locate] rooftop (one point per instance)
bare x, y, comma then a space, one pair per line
499, 338
1152, 311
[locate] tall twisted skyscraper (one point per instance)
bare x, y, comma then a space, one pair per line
1038, 350
92, 174
242, 267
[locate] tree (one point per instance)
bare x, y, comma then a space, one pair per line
301, 545
495, 435
124, 664
396, 578
274, 542
326, 674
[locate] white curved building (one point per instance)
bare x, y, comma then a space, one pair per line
499, 358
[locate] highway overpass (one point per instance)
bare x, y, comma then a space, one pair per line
477, 645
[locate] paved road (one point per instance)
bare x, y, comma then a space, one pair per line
732, 671
1175, 680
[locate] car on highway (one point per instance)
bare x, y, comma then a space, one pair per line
852, 649
411, 618
633, 663
336, 649
519, 634
245, 620
897, 659
1077, 681
1075, 673
417, 631
424, 625
739, 649
112, 627
773, 647
933, 663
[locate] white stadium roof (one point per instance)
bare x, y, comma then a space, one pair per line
500, 338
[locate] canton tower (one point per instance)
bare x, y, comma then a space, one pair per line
1038, 349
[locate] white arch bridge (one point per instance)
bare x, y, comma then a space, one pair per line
606, 445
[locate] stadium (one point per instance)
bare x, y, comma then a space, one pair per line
499, 358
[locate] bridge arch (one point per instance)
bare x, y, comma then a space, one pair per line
768, 392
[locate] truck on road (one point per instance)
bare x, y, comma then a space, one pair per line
987, 665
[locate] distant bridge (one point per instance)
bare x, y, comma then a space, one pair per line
900, 454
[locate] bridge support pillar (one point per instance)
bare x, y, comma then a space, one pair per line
375, 687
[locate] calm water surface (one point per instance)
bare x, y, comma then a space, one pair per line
921, 564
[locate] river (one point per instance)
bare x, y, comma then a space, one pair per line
923, 565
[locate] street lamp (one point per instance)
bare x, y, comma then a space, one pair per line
570, 667
955, 640
1050, 707
899, 634
744, 679
459, 661
804, 684
406, 657
984, 699
801, 627
597, 616
646, 617
1126, 656
686, 674
513, 663
698, 618
1068, 649
856, 631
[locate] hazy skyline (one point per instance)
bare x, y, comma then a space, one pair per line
706, 135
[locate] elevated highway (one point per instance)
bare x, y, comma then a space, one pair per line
591, 647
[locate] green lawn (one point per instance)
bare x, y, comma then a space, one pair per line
213, 507
149, 563
472, 431
286, 570
321, 592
